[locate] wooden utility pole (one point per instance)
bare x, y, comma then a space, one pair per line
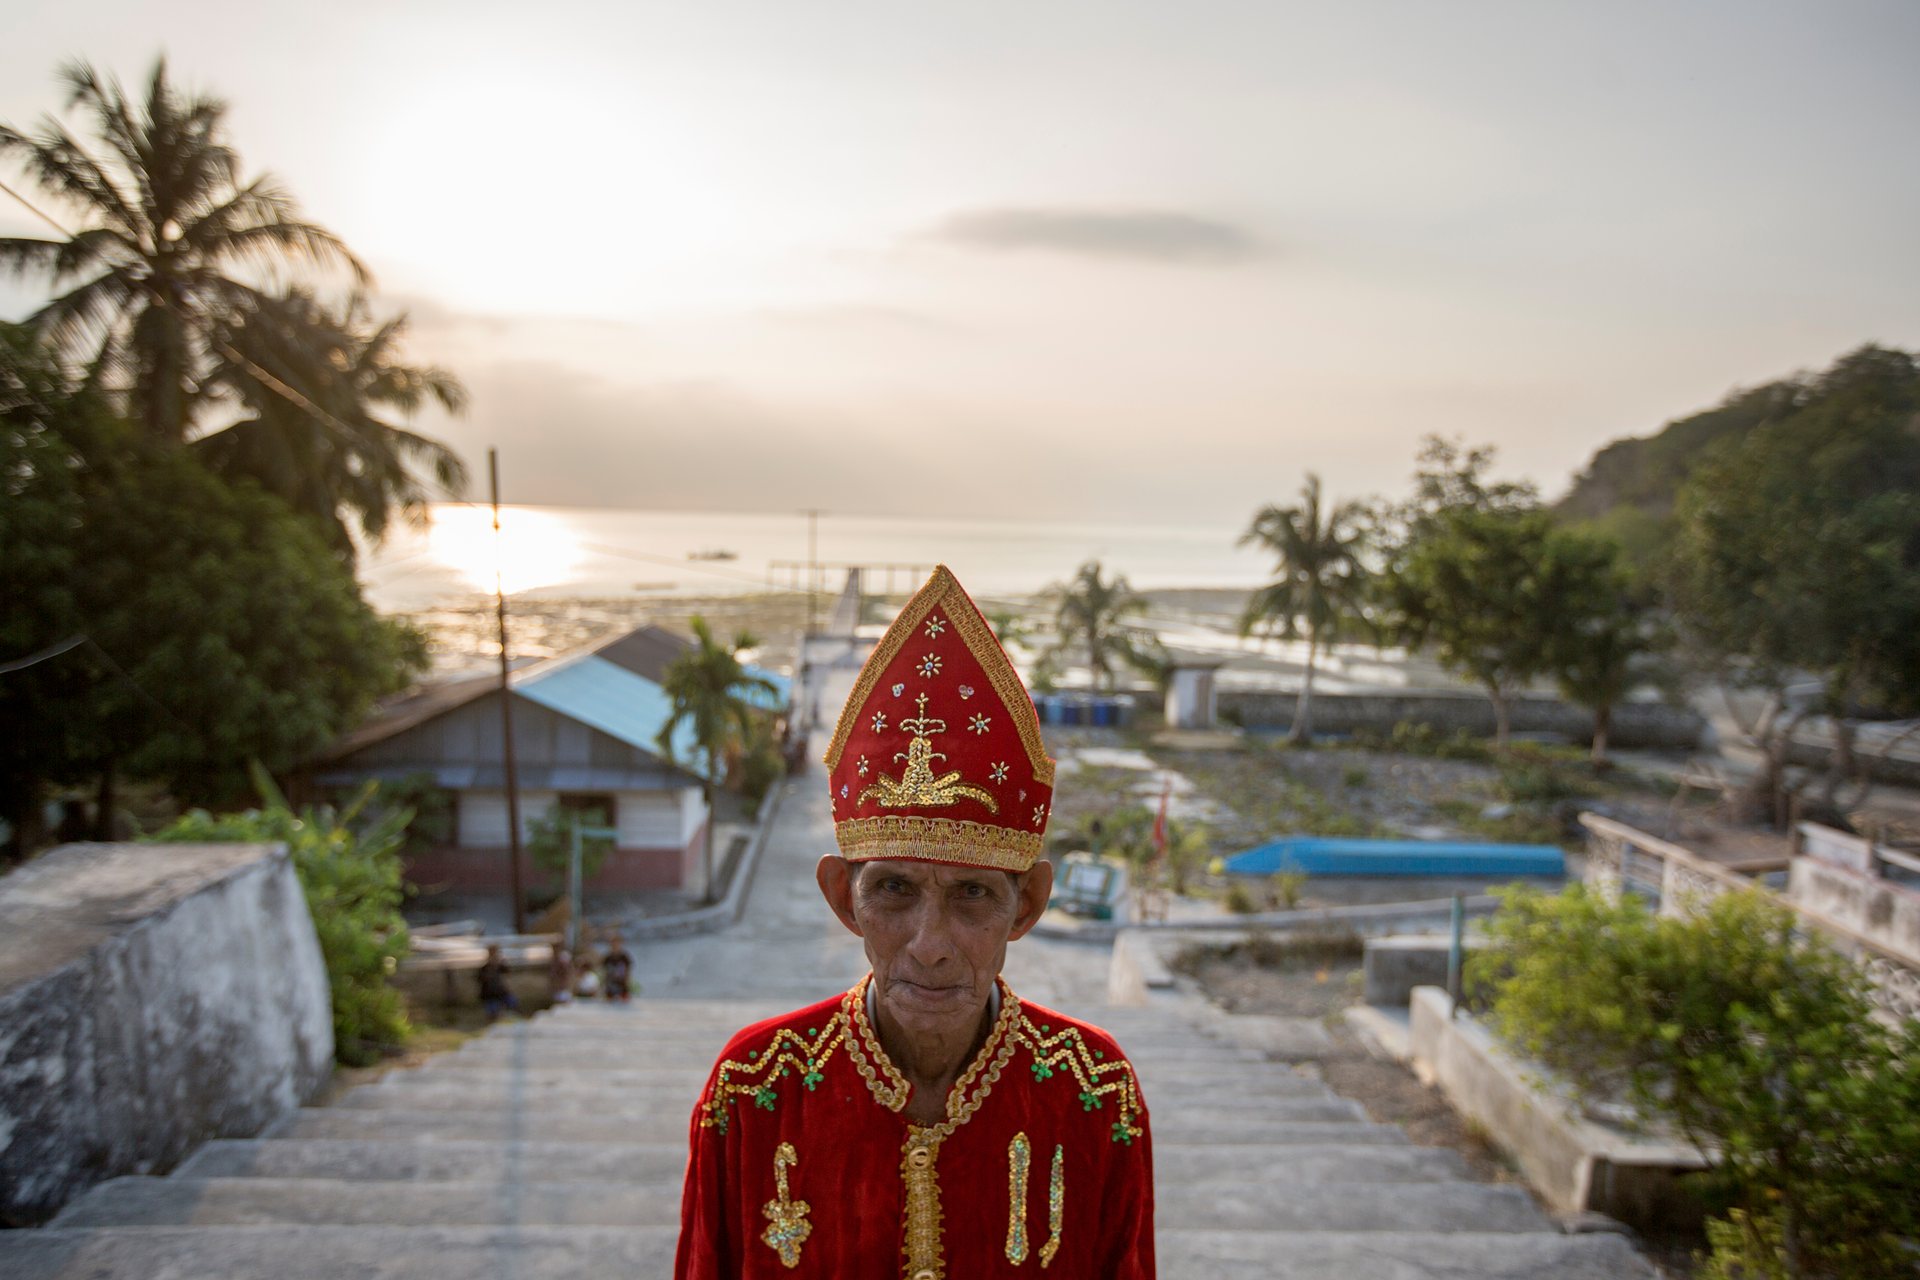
506, 702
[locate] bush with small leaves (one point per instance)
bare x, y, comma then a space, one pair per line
1752, 1041
349, 870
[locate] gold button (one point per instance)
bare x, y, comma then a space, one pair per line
920, 1158
925, 1273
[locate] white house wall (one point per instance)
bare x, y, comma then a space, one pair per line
645, 819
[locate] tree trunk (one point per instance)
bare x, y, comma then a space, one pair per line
707, 791
26, 827
1502, 716
104, 803
1302, 731
1842, 766
1602, 728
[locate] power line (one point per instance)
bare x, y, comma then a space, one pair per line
39, 656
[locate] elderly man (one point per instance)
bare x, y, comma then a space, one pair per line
927, 1124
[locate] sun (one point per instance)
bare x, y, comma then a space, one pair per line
533, 548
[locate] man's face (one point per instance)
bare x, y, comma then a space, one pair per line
935, 935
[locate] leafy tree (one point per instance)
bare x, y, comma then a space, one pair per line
1320, 584
170, 233
218, 627
1473, 584
707, 685
1091, 613
1798, 555
1752, 1041
349, 867
1606, 635
353, 462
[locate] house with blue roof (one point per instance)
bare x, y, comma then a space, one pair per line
586, 730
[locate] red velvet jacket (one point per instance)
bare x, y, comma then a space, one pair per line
804, 1165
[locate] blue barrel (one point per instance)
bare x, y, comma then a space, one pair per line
1103, 713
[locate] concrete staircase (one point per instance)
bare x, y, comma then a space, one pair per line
554, 1148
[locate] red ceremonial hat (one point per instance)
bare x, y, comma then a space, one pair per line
938, 755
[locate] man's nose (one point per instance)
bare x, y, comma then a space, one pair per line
930, 945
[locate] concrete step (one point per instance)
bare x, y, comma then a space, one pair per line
1204, 1081
280, 1252
1394, 1255
646, 1104
1369, 1205
449, 1160
1313, 1206
640, 1052
663, 1164
1229, 1170
1190, 1125
565, 1253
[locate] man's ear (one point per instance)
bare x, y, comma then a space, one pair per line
1030, 899
834, 875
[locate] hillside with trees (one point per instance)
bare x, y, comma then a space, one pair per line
1630, 488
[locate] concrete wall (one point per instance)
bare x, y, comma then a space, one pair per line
151, 997
1887, 913
625, 870
1635, 725
1574, 1164
645, 819
1396, 964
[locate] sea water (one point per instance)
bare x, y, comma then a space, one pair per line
585, 552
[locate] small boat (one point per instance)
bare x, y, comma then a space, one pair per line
713, 553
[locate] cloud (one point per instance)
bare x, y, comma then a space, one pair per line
1147, 235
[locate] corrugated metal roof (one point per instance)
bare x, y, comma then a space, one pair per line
492, 777
615, 701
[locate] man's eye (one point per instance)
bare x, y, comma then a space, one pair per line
973, 890
893, 886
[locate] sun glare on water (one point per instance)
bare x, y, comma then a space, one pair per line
532, 549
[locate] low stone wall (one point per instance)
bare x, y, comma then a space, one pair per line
1574, 1164
1636, 725
151, 997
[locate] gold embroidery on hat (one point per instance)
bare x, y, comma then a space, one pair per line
917, 786
942, 591
787, 1225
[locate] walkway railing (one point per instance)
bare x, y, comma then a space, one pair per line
1677, 881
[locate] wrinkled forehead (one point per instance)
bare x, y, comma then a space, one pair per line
933, 874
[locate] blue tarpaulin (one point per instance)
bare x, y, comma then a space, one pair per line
1328, 856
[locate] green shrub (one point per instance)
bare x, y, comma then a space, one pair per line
1355, 776
1286, 887
1749, 1040
350, 873
550, 840
1537, 780
1240, 900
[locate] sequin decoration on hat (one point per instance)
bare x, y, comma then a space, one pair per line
964, 778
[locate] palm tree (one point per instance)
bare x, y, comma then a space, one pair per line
348, 459
167, 229
1091, 612
1318, 583
706, 685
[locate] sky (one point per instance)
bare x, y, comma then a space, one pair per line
1108, 261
